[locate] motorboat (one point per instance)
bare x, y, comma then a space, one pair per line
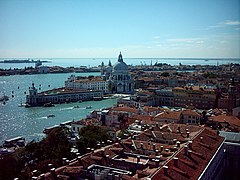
88, 107
4, 98
50, 115
48, 104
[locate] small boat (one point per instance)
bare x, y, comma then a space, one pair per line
27, 105
48, 104
50, 115
76, 106
88, 107
4, 98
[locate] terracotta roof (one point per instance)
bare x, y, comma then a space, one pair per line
125, 109
191, 167
190, 112
174, 115
232, 120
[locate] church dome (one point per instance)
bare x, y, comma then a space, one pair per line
120, 65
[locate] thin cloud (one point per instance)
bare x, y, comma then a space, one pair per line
231, 23
186, 40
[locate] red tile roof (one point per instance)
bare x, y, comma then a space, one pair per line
191, 167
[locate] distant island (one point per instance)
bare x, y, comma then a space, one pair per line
24, 61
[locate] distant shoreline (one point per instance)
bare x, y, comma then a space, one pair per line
24, 61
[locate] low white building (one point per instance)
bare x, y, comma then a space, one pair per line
89, 83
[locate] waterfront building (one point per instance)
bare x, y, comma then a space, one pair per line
60, 95
87, 83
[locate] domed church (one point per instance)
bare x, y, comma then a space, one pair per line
119, 80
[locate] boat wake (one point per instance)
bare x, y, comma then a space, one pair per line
44, 117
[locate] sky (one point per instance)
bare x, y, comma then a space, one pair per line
102, 28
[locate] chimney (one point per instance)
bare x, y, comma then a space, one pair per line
157, 125
67, 162
174, 148
79, 159
141, 145
161, 148
174, 141
92, 150
157, 151
53, 173
167, 150
50, 166
165, 170
189, 153
188, 134
178, 144
190, 144
34, 178
138, 159
34, 172
201, 139
107, 158
175, 160
185, 149
154, 146
178, 129
64, 161
42, 177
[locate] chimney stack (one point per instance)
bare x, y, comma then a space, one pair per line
188, 134
185, 149
175, 160
190, 144
201, 139
42, 177
138, 159
165, 169
141, 145
154, 146
161, 148
189, 153
178, 144
53, 173
64, 161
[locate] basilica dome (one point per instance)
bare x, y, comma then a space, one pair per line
120, 65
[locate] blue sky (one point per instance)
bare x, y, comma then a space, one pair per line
102, 28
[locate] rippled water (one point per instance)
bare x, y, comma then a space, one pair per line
30, 122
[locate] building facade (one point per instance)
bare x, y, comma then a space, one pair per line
87, 83
60, 95
197, 96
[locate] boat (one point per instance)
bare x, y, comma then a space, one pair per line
49, 104
27, 105
88, 107
4, 98
50, 115
76, 106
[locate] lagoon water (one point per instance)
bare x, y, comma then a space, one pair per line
30, 122
91, 62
